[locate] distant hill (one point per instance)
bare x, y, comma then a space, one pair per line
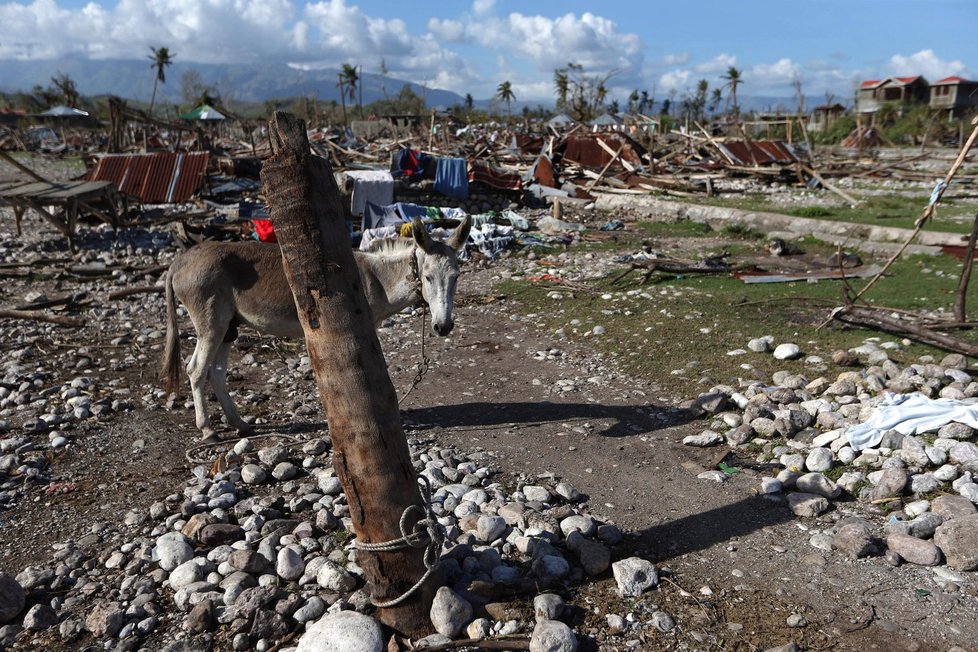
256, 83
243, 82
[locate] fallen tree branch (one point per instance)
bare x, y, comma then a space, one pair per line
877, 319
521, 643
36, 315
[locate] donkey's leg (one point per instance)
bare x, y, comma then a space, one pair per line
219, 381
197, 370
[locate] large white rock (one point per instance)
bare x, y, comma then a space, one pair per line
343, 631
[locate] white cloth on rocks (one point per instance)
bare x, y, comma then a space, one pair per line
910, 414
375, 186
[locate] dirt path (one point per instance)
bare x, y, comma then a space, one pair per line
745, 558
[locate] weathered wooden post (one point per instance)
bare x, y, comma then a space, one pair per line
370, 452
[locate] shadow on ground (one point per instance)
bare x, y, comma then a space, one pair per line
627, 420
703, 530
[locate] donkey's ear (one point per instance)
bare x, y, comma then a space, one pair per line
420, 234
461, 234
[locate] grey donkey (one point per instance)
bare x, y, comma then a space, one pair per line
226, 284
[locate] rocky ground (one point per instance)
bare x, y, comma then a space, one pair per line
739, 519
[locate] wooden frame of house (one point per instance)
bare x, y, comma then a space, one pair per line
956, 95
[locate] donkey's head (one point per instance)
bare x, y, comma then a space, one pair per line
438, 271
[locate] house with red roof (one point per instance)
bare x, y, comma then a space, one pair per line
955, 95
903, 91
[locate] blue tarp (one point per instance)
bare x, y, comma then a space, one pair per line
452, 178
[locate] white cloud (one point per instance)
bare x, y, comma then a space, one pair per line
767, 75
447, 30
483, 6
676, 59
592, 41
925, 63
674, 80
717, 64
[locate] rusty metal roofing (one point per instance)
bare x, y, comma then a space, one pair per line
759, 152
160, 178
587, 151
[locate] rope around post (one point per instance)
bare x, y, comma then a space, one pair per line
425, 533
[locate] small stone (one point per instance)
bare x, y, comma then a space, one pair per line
201, 618
797, 620
343, 631
40, 617
854, 540
218, 534
552, 636
289, 564
536, 493
450, 613
956, 539
771, 485
914, 550
285, 471
173, 549
891, 484
105, 619
490, 528
950, 506
547, 606
759, 345
12, 598
787, 351
248, 561
819, 460
703, 440
311, 610
634, 575
662, 621
253, 474
816, 483
334, 578
806, 504
479, 629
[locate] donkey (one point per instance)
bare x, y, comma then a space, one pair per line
225, 284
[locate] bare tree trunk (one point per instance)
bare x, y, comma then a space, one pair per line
371, 455
969, 263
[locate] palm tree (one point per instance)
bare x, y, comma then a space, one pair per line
562, 87
643, 102
67, 88
161, 58
715, 99
633, 101
469, 103
733, 81
600, 93
505, 92
351, 79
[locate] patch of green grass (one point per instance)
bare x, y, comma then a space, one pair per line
742, 231
810, 211
877, 210
682, 228
676, 332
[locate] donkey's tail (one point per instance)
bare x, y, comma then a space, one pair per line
170, 369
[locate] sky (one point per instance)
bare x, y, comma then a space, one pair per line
472, 46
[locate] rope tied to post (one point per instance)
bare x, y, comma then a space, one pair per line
426, 533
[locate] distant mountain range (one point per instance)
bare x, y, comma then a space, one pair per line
237, 82
133, 79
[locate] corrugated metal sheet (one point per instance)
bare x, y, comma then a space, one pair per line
160, 178
763, 152
585, 150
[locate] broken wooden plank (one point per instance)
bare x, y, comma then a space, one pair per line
822, 275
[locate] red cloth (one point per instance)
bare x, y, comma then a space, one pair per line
264, 230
